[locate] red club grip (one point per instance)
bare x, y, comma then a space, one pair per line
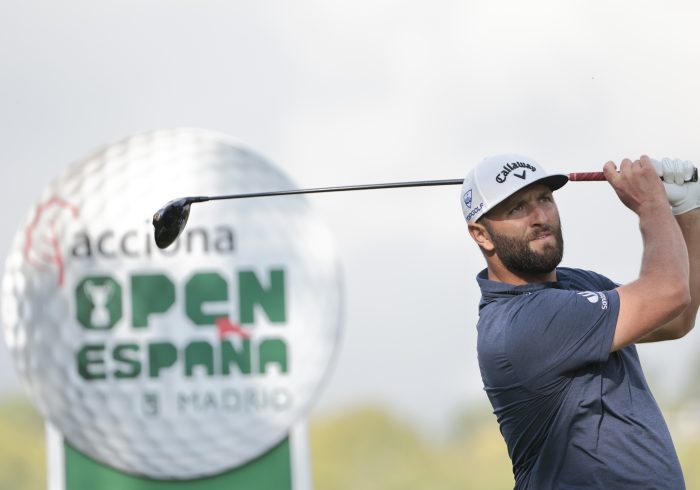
586, 176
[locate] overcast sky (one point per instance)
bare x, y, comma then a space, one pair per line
339, 93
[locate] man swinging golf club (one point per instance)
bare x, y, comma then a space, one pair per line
556, 345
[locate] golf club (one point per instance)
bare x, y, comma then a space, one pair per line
170, 220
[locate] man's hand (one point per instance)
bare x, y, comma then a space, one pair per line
682, 194
683, 197
636, 183
675, 171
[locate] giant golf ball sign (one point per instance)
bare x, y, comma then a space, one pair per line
176, 363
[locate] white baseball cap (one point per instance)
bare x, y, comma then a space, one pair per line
497, 177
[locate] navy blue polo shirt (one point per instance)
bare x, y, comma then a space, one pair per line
573, 415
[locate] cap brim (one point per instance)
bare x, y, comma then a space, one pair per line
554, 182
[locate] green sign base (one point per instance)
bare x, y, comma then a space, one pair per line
69, 469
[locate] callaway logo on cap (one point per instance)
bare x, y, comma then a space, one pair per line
496, 178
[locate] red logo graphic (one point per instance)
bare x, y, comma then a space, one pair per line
225, 326
43, 251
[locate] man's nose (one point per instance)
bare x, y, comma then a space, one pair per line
539, 214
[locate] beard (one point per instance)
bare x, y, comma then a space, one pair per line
518, 257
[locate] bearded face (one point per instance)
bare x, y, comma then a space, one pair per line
521, 255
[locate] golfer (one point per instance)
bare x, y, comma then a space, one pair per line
556, 345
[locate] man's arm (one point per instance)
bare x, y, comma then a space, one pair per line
661, 293
690, 227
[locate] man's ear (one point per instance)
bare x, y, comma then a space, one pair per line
480, 234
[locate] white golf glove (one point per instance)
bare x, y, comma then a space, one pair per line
674, 171
676, 174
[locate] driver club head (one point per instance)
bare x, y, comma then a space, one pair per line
170, 220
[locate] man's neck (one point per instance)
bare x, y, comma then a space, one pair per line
501, 274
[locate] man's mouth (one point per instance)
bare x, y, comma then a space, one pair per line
542, 235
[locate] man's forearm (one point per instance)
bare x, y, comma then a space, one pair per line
690, 227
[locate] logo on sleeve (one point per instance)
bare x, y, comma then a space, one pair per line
594, 297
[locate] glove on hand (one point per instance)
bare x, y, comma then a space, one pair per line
674, 171
683, 195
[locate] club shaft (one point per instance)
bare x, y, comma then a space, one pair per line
580, 176
364, 187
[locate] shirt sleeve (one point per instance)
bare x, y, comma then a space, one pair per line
554, 332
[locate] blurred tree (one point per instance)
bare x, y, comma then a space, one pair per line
22, 446
686, 429
364, 448
368, 448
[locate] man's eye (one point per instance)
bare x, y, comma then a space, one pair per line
516, 208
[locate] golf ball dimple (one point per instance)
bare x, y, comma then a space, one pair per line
117, 342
